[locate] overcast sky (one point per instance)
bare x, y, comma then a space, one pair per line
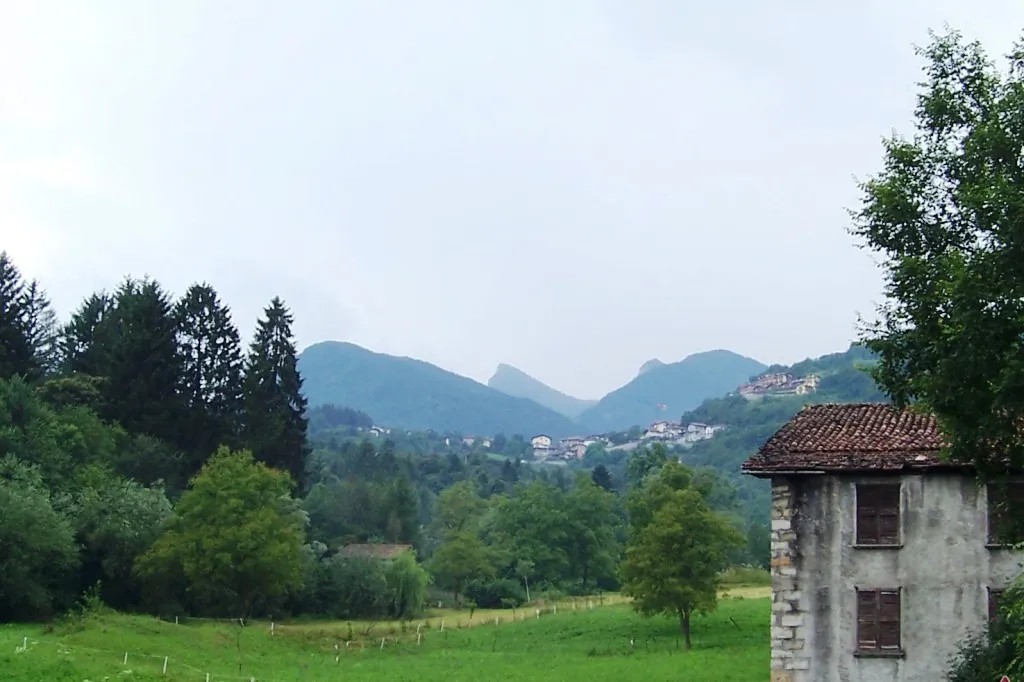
571, 187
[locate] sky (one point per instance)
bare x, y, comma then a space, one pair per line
570, 187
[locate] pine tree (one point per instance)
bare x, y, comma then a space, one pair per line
15, 346
274, 408
131, 342
211, 373
41, 329
83, 342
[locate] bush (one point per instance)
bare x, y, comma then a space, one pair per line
496, 593
407, 584
39, 555
996, 650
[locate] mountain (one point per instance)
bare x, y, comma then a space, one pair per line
412, 394
665, 391
518, 383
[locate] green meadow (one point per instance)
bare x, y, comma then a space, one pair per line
593, 642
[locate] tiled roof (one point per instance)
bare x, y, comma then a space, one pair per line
379, 551
853, 437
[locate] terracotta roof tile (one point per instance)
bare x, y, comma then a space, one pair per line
851, 437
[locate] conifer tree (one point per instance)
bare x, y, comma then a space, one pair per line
275, 421
15, 347
211, 383
83, 344
130, 341
41, 329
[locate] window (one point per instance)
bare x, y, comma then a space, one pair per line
994, 596
1003, 498
878, 514
878, 621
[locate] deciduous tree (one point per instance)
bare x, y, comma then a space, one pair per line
675, 556
236, 536
946, 215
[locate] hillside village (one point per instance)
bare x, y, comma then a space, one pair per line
778, 384
548, 450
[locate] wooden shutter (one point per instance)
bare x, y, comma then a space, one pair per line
993, 603
867, 620
867, 515
996, 500
889, 620
888, 505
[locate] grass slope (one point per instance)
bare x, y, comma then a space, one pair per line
415, 395
678, 386
518, 383
585, 644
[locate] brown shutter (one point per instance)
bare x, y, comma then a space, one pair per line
993, 603
888, 497
867, 620
889, 620
996, 512
867, 515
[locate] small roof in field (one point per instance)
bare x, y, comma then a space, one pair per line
375, 551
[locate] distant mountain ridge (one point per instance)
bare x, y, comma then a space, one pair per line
666, 391
517, 383
416, 395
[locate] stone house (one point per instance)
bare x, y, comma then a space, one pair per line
884, 557
541, 442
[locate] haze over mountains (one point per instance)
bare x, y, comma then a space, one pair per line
416, 395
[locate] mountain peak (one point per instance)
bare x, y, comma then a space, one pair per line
649, 365
515, 382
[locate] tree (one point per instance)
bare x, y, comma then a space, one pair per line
275, 422
15, 345
236, 536
602, 477
211, 372
592, 523
133, 345
460, 558
83, 342
674, 560
41, 330
644, 461
115, 521
946, 216
38, 549
458, 508
400, 509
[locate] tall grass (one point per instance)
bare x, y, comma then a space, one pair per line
602, 643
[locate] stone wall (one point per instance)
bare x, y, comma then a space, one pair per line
789, 619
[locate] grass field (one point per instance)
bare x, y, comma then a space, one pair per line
586, 643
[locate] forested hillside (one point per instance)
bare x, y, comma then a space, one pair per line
844, 379
664, 391
417, 395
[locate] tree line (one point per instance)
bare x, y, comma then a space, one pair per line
148, 460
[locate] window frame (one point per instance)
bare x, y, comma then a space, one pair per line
883, 620
878, 523
995, 594
993, 515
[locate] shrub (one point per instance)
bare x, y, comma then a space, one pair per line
496, 593
996, 650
